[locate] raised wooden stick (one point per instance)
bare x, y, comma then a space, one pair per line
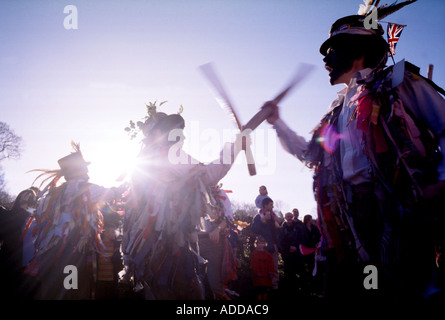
266, 112
209, 71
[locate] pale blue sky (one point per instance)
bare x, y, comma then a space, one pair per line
59, 85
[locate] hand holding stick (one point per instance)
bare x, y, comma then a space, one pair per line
265, 112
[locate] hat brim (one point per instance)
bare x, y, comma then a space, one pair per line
325, 46
347, 36
333, 39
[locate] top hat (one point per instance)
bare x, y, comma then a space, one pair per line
343, 28
73, 165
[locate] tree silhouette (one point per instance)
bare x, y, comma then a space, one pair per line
10, 143
10, 148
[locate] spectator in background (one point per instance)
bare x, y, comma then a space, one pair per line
312, 234
262, 266
290, 238
295, 220
15, 284
311, 239
266, 224
263, 195
110, 263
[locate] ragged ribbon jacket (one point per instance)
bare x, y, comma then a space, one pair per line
378, 130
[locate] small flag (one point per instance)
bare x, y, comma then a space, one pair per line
394, 31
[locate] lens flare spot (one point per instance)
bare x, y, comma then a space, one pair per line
329, 138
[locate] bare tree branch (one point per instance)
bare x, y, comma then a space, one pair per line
10, 143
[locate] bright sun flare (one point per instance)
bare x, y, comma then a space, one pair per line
108, 164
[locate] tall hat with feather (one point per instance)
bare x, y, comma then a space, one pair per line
359, 24
71, 166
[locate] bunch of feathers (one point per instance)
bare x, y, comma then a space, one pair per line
382, 11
